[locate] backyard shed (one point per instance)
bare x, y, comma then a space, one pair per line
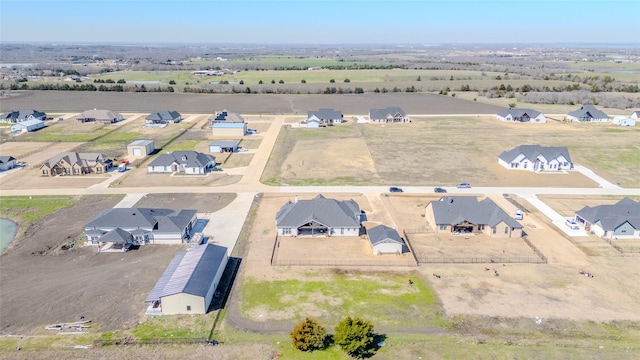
27, 125
385, 240
140, 148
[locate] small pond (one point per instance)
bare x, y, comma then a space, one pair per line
8, 230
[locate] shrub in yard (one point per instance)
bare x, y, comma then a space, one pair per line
355, 336
308, 335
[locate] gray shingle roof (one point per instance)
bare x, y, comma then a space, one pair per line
518, 113
117, 236
6, 158
163, 115
588, 111
325, 114
329, 212
453, 210
81, 159
99, 115
160, 220
382, 233
20, 115
384, 113
612, 216
224, 143
189, 158
190, 272
531, 152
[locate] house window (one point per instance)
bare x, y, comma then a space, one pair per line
443, 226
45, 172
98, 170
188, 307
67, 171
506, 229
341, 231
481, 227
493, 229
286, 231
76, 171
525, 165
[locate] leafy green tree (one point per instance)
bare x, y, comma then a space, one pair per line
303, 81
273, 81
512, 105
358, 90
281, 82
308, 335
347, 80
260, 82
355, 336
172, 82
241, 82
332, 81
418, 79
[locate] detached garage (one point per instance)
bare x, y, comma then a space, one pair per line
223, 146
188, 284
140, 148
385, 240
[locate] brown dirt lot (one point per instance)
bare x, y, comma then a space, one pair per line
553, 290
43, 284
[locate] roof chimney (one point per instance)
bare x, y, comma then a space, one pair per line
295, 199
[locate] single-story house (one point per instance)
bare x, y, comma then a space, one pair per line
624, 121
319, 216
228, 124
140, 226
164, 117
18, 116
635, 115
388, 115
27, 126
187, 162
536, 158
190, 282
7, 162
73, 163
588, 113
324, 116
385, 240
102, 116
521, 115
223, 146
465, 215
140, 148
620, 220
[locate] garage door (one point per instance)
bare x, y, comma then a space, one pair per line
137, 152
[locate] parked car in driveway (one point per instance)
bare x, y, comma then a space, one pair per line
572, 224
439, 190
395, 189
463, 186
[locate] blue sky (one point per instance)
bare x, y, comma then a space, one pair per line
320, 22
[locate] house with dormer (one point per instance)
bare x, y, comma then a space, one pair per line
388, 115
18, 116
587, 113
521, 115
163, 117
536, 158
322, 117
74, 163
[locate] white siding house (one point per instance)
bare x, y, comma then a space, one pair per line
319, 217
536, 158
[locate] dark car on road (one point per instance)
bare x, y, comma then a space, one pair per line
463, 186
439, 190
395, 189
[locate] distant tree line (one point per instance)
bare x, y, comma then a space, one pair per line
88, 87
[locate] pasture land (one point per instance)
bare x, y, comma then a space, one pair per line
442, 151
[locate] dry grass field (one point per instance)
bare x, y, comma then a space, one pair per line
550, 291
445, 151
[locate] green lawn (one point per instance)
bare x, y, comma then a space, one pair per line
31, 209
396, 304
